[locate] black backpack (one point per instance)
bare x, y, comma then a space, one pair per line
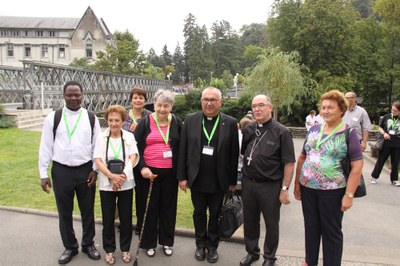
57, 119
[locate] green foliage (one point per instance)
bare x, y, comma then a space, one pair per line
227, 78
124, 57
254, 34
199, 83
5, 122
218, 83
82, 62
188, 103
279, 76
154, 72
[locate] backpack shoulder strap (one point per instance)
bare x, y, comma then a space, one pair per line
57, 119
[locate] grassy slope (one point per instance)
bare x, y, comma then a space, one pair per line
20, 182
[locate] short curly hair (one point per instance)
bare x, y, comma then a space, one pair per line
116, 109
338, 96
138, 91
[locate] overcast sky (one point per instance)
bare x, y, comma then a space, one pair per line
153, 22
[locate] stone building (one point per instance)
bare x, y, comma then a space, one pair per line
51, 40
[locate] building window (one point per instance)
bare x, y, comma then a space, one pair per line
52, 34
10, 49
61, 51
89, 50
45, 50
27, 50
39, 33
15, 33
26, 33
3, 33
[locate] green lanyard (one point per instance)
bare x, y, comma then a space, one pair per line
70, 133
165, 137
209, 137
394, 121
116, 153
319, 141
132, 116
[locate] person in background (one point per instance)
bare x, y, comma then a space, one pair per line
246, 120
389, 127
320, 182
268, 165
318, 119
310, 120
73, 172
356, 117
208, 158
138, 98
158, 141
116, 190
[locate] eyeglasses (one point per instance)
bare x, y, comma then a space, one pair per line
212, 100
260, 105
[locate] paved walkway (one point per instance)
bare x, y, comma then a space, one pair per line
371, 232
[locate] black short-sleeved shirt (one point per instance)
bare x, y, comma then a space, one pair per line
271, 154
391, 125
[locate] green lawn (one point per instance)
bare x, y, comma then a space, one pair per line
20, 182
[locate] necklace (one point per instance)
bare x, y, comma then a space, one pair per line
255, 145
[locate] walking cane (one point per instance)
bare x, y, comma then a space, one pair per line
135, 262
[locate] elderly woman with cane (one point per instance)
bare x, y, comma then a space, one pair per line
158, 143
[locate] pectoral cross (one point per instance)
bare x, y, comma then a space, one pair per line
249, 160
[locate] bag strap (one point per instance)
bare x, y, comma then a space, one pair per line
57, 119
123, 147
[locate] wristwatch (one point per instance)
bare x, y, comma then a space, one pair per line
350, 195
284, 188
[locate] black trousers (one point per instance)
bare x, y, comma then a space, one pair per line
140, 198
108, 205
161, 214
261, 198
384, 154
323, 218
206, 234
68, 181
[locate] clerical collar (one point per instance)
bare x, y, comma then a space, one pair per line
210, 118
259, 125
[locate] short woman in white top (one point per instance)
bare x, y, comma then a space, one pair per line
116, 189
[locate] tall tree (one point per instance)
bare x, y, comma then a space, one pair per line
154, 59
254, 34
389, 10
279, 76
178, 61
166, 55
123, 57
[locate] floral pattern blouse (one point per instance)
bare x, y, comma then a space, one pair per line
322, 168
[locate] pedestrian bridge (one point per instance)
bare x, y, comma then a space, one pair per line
39, 85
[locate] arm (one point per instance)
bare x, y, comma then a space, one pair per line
364, 140
182, 173
300, 162
287, 179
352, 183
46, 152
234, 156
91, 181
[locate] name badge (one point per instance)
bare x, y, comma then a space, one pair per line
208, 150
355, 119
392, 132
167, 154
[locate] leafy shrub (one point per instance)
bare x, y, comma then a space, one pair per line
5, 122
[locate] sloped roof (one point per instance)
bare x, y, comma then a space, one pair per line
37, 22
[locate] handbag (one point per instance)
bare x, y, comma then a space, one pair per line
361, 190
231, 215
379, 144
116, 166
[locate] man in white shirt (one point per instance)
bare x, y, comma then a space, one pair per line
310, 120
356, 117
71, 151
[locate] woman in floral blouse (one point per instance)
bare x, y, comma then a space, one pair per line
320, 182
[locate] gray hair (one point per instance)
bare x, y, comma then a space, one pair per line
263, 96
164, 95
212, 89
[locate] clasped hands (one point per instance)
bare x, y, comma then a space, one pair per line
117, 180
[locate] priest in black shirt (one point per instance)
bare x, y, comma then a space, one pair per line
268, 165
208, 157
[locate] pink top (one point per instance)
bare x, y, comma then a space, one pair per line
155, 147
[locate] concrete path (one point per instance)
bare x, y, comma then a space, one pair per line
371, 232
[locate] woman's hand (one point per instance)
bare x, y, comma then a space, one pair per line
117, 180
132, 127
146, 173
386, 136
297, 192
347, 202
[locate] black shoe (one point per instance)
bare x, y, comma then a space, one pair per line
67, 256
92, 252
200, 254
249, 259
212, 256
268, 263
